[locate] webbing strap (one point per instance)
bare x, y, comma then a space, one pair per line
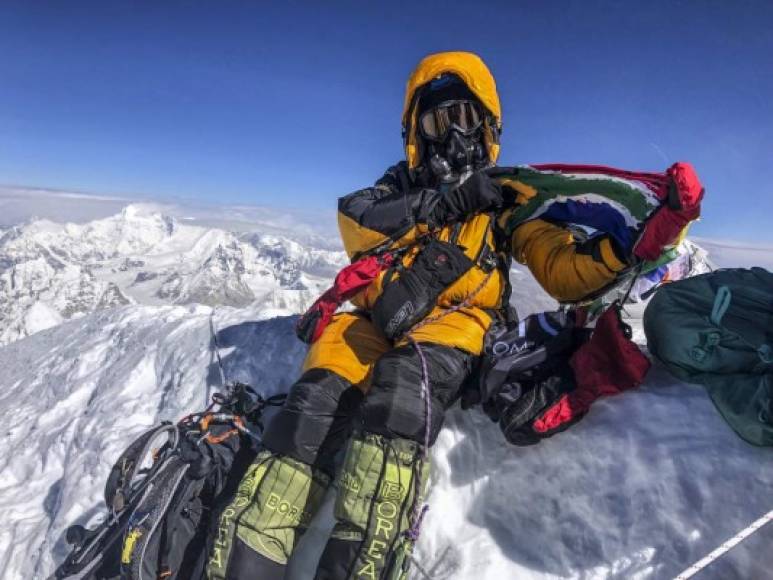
719, 309
485, 253
457, 229
721, 304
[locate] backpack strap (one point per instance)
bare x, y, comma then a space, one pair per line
721, 304
502, 258
118, 488
149, 517
719, 309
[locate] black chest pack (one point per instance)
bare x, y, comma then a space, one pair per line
410, 293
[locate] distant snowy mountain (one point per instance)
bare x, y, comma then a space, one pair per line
733, 254
310, 226
51, 272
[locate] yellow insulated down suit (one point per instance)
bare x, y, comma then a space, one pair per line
568, 270
365, 393
367, 219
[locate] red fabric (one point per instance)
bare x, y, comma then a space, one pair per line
608, 364
560, 413
687, 184
664, 227
349, 281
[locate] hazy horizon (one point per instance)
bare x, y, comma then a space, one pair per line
17, 206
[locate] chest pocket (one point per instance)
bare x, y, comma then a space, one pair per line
410, 294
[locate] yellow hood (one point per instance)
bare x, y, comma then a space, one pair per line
475, 74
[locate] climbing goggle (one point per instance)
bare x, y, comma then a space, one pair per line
464, 116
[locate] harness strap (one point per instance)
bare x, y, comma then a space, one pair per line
418, 511
454, 237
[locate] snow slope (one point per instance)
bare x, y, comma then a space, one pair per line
646, 484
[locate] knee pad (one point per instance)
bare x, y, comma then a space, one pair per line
316, 419
395, 406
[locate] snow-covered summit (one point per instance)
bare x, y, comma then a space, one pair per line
646, 484
51, 271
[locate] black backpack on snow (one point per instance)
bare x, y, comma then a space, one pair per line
164, 495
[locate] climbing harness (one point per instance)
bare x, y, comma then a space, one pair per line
417, 509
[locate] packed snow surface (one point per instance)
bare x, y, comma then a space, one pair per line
646, 484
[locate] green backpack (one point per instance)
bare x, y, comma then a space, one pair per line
717, 330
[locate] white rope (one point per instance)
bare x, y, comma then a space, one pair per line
216, 347
726, 547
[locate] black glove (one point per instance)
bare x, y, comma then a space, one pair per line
479, 193
519, 405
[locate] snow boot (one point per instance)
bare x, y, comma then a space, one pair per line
381, 485
273, 506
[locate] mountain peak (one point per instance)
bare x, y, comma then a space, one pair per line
142, 255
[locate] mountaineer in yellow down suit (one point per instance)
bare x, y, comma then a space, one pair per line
362, 386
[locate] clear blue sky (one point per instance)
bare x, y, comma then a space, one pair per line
293, 103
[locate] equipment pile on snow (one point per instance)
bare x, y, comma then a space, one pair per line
165, 493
